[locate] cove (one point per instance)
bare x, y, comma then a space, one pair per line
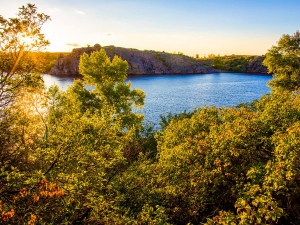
176, 93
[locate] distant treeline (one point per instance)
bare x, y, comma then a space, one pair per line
236, 63
46, 59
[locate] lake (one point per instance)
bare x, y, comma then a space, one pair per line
176, 93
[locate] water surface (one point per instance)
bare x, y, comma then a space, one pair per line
176, 93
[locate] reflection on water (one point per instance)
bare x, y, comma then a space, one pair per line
176, 93
61, 81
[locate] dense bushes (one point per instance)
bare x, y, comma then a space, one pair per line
228, 164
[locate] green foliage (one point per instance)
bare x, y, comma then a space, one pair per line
47, 60
19, 36
227, 165
151, 216
83, 157
80, 152
218, 62
222, 160
109, 77
166, 119
283, 62
235, 63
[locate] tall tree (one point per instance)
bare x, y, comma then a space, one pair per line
283, 62
18, 37
22, 117
109, 77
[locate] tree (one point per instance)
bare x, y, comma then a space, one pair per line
283, 62
56, 158
109, 77
211, 56
218, 62
22, 122
18, 37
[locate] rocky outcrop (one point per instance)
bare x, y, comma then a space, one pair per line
139, 62
255, 65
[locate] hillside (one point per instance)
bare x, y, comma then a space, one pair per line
140, 62
46, 60
236, 63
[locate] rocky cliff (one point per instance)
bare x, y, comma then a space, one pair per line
140, 62
255, 65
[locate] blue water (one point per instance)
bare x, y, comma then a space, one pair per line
176, 93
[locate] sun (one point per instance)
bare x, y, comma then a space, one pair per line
26, 39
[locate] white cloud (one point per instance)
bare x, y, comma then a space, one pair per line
73, 45
54, 10
79, 12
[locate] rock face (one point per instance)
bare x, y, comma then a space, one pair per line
255, 66
139, 62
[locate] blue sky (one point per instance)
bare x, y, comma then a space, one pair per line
192, 27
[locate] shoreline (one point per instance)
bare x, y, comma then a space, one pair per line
164, 74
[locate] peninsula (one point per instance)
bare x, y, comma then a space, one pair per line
145, 62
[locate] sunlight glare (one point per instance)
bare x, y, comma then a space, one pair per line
26, 39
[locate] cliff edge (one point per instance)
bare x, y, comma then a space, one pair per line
140, 62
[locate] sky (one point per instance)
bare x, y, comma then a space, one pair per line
225, 27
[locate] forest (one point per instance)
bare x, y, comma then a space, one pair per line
236, 63
80, 156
